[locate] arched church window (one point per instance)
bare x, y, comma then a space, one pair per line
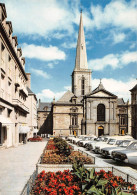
83, 86
101, 112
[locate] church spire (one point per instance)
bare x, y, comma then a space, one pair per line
81, 55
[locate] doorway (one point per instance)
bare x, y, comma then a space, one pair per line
100, 130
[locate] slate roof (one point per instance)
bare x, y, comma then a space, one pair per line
42, 105
29, 90
134, 88
66, 98
120, 101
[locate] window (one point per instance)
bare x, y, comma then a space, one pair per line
8, 112
1, 109
101, 112
2, 47
83, 86
9, 58
74, 120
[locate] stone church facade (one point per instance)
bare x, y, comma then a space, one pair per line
87, 111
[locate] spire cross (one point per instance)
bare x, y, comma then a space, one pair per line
100, 80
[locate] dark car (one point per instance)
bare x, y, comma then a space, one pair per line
35, 139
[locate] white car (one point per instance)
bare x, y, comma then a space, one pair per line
107, 151
129, 155
85, 141
112, 140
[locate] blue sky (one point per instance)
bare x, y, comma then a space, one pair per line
47, 32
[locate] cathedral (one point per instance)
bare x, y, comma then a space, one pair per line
85, 110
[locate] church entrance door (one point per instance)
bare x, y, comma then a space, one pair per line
100, 130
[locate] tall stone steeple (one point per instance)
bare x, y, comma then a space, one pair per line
81, 76
81, 55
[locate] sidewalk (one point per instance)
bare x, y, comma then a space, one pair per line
16, 166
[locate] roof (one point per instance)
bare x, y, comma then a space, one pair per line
134, 88
29, 90
120, 101
67, 98
101, 88
42, 105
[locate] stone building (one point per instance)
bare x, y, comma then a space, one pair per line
32, 105
67, 115
124, 117
45, 119
13, 87
134, 111
87, 111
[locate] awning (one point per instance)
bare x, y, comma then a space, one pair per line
24, 129
5, 121
35, 130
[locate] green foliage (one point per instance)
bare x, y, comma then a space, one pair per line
94, 184
62, 146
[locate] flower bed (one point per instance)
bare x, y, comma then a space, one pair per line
81, 181
59, 152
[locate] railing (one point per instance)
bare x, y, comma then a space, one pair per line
28, 187
20, 104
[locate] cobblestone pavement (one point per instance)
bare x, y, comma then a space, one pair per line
101, 162
16, 166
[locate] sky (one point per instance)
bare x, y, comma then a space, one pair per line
47, 32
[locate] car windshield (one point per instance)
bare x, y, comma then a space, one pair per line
105, 139
132, 146
111, 141
118, 142
124, 144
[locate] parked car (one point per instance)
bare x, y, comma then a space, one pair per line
89, 145
112, 140
107, 151
36, 138
80, 137
85, 140
129, 155
70, 137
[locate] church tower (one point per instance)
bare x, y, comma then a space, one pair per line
81, 76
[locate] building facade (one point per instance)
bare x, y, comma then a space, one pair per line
13, 87
45, 118
134, 111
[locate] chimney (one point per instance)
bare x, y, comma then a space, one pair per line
29, 80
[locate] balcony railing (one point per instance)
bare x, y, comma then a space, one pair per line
18, 103
23, 89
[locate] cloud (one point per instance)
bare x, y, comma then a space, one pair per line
41, 17
69, 45
117, 13
67, 87
50, 65
113, 60
119, 88
48, 95
50, 53
118, 37
40, 73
